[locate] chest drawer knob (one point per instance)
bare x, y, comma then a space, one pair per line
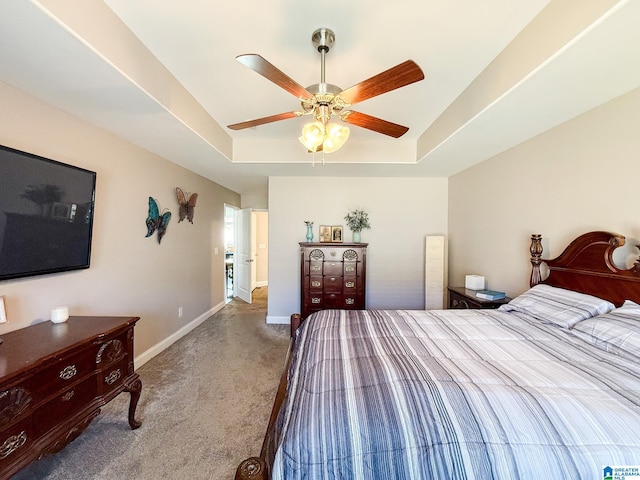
315, 283
350, 301
315, 299
350, 284
113, 377
68, 372
12, 443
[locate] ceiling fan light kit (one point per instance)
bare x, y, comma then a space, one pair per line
324, 100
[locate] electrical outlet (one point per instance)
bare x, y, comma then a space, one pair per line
180, 312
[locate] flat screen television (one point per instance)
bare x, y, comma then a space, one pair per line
46, 215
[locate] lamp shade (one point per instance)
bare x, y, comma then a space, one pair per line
335, 137
312, 136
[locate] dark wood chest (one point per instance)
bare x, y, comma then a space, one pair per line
53, 380
333, 276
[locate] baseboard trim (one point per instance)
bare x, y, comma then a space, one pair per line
279, 320
264, 283
147, 355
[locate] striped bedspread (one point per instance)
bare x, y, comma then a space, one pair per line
453, 394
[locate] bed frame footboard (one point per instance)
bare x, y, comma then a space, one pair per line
257, 468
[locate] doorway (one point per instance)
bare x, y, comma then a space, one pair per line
251, 252
229, 250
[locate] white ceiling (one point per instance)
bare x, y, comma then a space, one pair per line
162, 74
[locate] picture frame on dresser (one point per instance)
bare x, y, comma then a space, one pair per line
325, 234
336, 233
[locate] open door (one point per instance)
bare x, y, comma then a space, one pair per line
244, 265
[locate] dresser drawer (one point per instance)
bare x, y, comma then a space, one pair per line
313, 268
63, 373
15, 441
64, 405
332, 268
315, 283
111, 378
350, 268
333, 284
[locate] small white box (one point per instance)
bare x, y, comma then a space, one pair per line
474, 282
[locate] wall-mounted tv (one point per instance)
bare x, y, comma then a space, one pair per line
46, 215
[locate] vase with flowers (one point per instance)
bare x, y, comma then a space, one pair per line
357, 220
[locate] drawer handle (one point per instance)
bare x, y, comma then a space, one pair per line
350, 284
349, 301
315, 299
12, 443
350, 268
333, 279
315, 268
68, 372
113, 377
315, 283
68, 396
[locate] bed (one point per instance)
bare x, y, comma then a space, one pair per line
546, 386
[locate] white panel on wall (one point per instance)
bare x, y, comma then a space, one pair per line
435, 271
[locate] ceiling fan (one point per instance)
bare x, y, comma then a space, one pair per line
324, 100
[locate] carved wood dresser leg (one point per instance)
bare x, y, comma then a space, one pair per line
134, 388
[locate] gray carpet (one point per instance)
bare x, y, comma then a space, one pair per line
204, 407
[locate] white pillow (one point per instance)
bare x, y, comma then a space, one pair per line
558, 306
617, 331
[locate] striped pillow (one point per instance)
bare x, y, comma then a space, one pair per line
558, 306
617, 331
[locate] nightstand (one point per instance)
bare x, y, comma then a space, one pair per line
460, 297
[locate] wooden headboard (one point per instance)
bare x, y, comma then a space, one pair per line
586, 266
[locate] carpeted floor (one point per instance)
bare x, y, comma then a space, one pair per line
204, 407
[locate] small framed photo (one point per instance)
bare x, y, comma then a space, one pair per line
336, 233
325, 233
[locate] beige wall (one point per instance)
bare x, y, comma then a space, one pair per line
403, 211
578, 177
129, 274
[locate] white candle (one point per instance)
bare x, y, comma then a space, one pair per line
59, 314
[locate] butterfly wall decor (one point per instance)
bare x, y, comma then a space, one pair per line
187, 203
155, 221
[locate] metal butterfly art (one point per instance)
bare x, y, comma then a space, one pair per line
187, 203
155, 221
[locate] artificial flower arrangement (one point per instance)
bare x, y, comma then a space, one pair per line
357, 220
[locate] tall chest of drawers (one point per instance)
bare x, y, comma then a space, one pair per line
53, 380
333, 276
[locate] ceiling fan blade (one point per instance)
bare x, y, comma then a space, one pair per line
263, 120
258, 64
399, 76
373, 123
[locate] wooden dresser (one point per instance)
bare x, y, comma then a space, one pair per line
332, 276
55, 378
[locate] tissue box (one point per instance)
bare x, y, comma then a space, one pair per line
474, 282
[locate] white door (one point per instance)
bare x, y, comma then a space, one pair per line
243, 269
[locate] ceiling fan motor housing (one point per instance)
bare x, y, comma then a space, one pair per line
323, 39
